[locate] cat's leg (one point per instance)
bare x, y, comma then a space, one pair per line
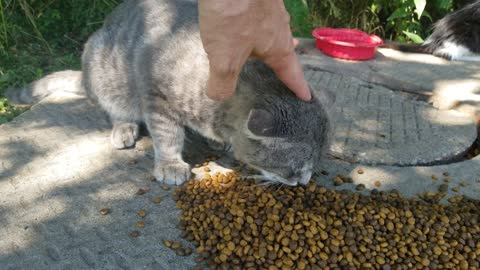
168, 137
124, 134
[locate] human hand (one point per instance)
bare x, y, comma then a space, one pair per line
233, 31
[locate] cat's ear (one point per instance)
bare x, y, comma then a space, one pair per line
261, 123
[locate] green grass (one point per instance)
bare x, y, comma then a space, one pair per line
300, 21
8, 111
40, 37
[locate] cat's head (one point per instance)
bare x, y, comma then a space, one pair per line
283, 137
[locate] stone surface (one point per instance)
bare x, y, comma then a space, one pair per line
58, 170
443, 83
375, 125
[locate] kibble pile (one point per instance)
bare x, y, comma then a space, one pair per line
237, 224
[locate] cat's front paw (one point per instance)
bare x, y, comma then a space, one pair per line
172, 172
124, 135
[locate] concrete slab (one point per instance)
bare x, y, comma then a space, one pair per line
375, 125
446, 84
57, 170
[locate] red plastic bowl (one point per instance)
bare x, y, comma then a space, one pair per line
346, 43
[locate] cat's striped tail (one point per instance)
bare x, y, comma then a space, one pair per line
67, 81
409, 47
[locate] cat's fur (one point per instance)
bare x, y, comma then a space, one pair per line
147, 64
454, 37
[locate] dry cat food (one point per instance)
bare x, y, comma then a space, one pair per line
237, 224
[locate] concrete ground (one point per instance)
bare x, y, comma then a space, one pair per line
400, 118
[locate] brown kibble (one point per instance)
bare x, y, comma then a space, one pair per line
141, 224
434, 177
135, 234
378, 183
166, 187
157, 200
337, 181
206, 169
180, 252
443, 188
176, 245
425, 262
104, 211
380, 260
360, 171
455, 189
167, 243
142, 191
142, 213
360, 187
447, 179
251, 226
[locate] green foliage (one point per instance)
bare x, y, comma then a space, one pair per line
8, 111
38, 37
299, 17
402, 20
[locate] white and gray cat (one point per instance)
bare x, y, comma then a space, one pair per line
455, 37
147, 65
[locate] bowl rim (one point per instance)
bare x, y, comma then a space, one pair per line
333, 38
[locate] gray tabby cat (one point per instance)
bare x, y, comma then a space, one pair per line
147, 64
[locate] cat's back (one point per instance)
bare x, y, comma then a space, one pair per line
134, 22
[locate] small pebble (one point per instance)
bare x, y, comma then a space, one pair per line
378, 183
166, 188
132, 162
445, 174
141, 224
455, 189
157, 200
434, 177
135, 234
360, 171
447, 179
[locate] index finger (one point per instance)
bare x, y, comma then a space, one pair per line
290, 72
